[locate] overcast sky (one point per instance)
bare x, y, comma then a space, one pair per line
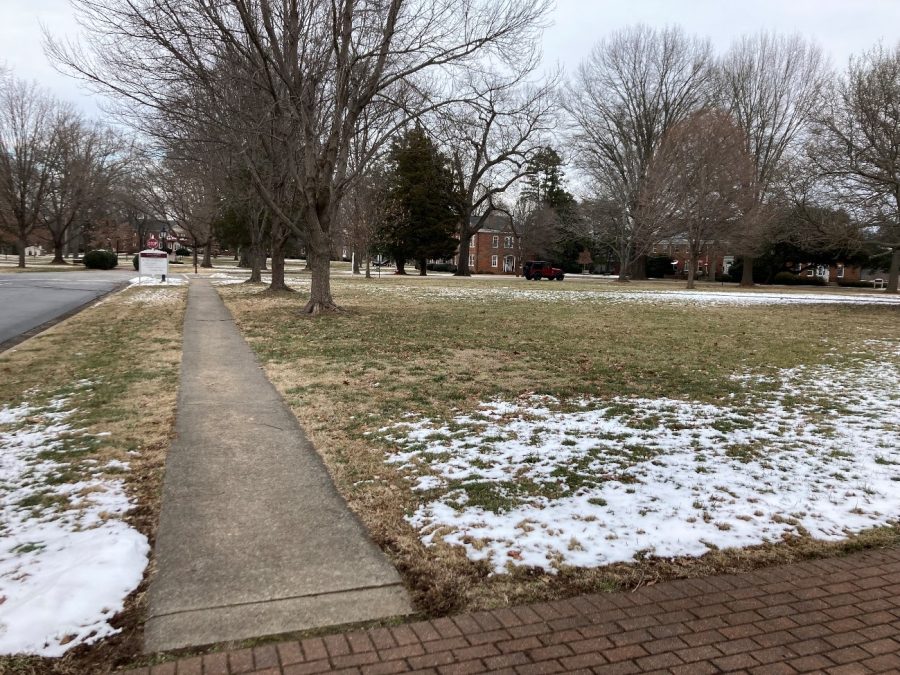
841, 27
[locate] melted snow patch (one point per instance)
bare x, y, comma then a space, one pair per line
548, 293
67, 560
224, 279
171, 280
541, 482
153, 296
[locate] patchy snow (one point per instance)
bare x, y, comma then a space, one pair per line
67, 559
543, 482
171, 280
223, 279
153, 296
548, 292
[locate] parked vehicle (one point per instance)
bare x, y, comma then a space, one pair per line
541, 269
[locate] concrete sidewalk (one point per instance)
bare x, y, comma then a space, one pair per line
253, 539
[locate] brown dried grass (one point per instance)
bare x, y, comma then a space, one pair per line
108, 343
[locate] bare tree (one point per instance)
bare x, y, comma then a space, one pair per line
29, 148
318, 65
772, 85
364, 208
189, 202
858, 145
538, 228
625, 96
491, 137
700, 183
89, 160
135, 196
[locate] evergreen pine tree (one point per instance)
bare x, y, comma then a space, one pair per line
421, 188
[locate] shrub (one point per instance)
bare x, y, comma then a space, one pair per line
787, 278
855, 284
441, 267
100, 260
136, 262
791, 279
659, 266
181, 250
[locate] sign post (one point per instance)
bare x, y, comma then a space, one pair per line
153, 263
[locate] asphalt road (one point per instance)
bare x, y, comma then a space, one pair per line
29, 300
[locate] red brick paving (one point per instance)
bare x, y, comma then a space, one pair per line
840, 615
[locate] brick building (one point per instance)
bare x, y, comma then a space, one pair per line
715, 254
496, 248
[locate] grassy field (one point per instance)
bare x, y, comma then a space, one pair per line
88, 416
506, 441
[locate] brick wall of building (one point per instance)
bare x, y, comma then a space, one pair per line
495, 252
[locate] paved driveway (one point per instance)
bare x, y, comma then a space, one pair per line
28, 300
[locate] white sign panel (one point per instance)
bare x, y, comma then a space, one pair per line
153, 263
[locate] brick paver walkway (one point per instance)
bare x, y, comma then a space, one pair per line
837, 616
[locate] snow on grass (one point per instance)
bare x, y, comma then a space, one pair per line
548, 292
153, 296
224, 279
67, 559
543, 482
171, 280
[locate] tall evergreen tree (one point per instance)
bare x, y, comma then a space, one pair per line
544, 185
552, 206
421, 188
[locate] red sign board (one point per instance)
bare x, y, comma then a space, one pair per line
152, 242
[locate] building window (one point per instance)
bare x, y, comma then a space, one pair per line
472, 242
471, 260
507, 242
495, 241
840, 271
493, 260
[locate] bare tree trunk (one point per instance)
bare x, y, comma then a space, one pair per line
713, 264
894, 272
244, 258
462, 264
256, 256
423, 265
368, 269
207, 259
21, 246
278, 283
401, 267
356, 262
747, 277
195, 253
692, 269
318, 256
624, 255
58, 246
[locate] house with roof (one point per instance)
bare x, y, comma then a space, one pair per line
496, 248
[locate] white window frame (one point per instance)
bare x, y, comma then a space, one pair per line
493, 261
507, 242
472, 242
840, 271
471, 260
495, 241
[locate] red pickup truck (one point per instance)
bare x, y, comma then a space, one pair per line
537, 269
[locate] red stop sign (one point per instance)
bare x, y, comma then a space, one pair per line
152, 242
